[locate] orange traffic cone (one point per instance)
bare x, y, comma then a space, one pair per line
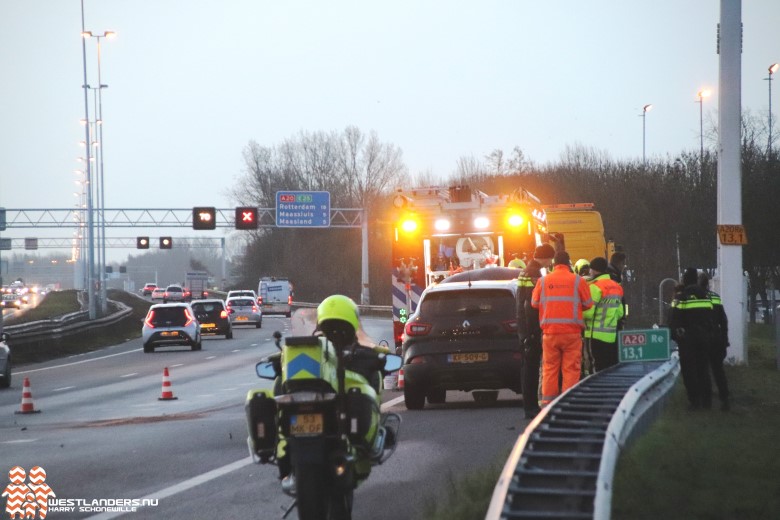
167, 393
401, 378
27, 402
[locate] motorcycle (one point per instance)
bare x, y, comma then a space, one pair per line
321, 423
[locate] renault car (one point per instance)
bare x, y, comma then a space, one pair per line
463, 336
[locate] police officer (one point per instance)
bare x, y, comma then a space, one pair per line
601, 320
582, 267
528, 330
516, 262
719, 344
691, 322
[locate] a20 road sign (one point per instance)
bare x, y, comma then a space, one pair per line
643, 345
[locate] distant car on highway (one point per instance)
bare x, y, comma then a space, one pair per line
173, 293
169, 324
11, 301
244, 310
158, 293
243, 292
463, 336
5, 362
148, 288
213, 317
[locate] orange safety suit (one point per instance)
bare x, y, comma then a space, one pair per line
561, 296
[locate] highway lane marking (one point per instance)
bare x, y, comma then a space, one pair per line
77, 362
63, 388
177, 365
211, 357
18, 441
236, 350
208, 476
130, 375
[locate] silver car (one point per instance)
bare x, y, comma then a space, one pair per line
5, 362
244, 310
169, 324
173, 293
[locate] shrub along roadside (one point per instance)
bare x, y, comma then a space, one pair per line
710, 464
128, 328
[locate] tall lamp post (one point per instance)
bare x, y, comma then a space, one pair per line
702, 94
772, 69
90, 220
99, 153
645, 110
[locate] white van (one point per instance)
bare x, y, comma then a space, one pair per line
275, 295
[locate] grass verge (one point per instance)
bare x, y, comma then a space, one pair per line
53, 304
128, 328
710, 464
466, 498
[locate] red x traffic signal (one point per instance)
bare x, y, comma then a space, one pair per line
246, 218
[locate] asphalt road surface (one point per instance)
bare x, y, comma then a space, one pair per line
103, 434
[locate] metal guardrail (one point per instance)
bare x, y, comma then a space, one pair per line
563, 464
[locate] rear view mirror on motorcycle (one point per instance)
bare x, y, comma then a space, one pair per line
392, 363
265, 370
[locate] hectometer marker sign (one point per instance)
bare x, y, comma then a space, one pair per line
643, 345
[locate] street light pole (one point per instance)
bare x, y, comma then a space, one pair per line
645, 109
90, 222
701, 94
772, 69
101, 186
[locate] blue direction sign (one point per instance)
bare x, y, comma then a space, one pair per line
302, 209
643, 345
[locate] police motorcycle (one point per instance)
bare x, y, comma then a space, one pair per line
321, 423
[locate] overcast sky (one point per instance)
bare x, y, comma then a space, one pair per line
192, 82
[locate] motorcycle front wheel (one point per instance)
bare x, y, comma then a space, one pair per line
318, 498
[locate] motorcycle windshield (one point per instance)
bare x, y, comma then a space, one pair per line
304, 323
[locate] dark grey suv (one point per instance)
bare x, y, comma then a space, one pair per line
463, 336
213, 317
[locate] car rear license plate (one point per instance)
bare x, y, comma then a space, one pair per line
241, 318
468, 357
170, 333
306, 424
208, 325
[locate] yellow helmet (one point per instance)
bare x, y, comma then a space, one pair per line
339, 307
580, 264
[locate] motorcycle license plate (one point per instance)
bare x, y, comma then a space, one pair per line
170, 333
303, 424
468, 357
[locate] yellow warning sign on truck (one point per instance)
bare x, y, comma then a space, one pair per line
732, 235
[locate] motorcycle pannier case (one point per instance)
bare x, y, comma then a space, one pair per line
261, 420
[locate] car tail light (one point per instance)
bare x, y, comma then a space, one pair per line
254, 308
205, 293
190, 317
259, 300
149, 319
416, 328
510, 325
289, 300
223, 314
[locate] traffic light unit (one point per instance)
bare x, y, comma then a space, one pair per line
246, 218
166, 243
142, 243
204, 218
